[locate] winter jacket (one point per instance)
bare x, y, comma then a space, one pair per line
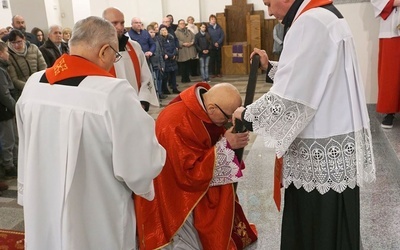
203, 42
51, 52
185, 53
22, 67
169, 49
216, 34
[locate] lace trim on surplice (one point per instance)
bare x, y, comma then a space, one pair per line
329, 163
226, 170
279, 120
272, 69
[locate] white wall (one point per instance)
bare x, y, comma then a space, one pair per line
365, 28
5, 15
33, 11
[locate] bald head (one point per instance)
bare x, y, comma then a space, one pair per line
136, 24
116, 18
225, 94
223, 97
18, 22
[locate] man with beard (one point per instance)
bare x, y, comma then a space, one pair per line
18, 23
133, 65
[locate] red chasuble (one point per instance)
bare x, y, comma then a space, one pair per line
184, 129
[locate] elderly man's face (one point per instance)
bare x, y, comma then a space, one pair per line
19, 23
277, 8
56, 35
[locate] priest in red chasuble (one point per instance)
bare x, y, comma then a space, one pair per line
195, 206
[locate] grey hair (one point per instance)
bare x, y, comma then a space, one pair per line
53, 27
93, 32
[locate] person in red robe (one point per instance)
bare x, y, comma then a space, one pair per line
194, 206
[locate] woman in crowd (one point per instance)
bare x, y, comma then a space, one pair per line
25, 59
39, 35
170, 53
187, 50
66, 34
157, 61
8, 135
195, 61
203, 46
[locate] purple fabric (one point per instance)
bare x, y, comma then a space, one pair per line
237, 53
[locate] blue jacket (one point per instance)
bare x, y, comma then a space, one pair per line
169, 48
217, 35
144, 39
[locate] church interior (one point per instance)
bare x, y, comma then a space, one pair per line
247, 26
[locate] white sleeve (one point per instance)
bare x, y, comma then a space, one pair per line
137, 156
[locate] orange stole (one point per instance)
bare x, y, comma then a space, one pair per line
136, 65
68, 66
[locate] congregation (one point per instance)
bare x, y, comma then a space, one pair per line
84, 95
169, 50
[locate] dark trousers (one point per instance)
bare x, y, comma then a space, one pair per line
194, 67
184, 68
215, 61
169, 78
312, 221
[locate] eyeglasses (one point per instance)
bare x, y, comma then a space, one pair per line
118, 56
20, 42
228, 117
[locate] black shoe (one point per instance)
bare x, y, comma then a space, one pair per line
176, 91
162, 97
388, 121
166, 92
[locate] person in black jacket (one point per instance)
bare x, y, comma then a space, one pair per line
8, 135
203, 45
54, 47
170, 52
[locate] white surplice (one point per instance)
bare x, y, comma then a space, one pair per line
82, 150
315, 114
124, 69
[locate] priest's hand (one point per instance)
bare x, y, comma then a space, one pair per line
237, 140
264, 60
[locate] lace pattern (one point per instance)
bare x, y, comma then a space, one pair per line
271, 72
278, 120
226, 170
329, 163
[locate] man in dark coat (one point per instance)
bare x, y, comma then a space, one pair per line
54, 47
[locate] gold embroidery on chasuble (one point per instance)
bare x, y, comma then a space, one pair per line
60, 67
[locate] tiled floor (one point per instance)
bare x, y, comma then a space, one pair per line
380, 201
